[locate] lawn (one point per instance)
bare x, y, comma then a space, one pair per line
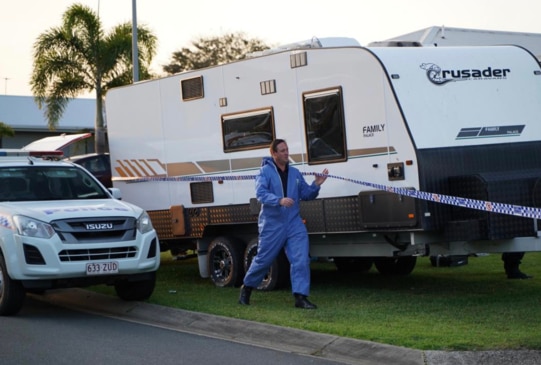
470, 307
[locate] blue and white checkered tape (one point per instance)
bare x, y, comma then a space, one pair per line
495, 207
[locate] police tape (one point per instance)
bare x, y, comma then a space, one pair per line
493, 207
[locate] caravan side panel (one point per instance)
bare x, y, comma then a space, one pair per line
136, 142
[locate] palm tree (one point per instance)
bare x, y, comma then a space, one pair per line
80, 57
5, 130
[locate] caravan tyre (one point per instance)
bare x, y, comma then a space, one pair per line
225, 262
395, 265
278, 275
353, 264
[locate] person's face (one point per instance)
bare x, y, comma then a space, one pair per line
281, 155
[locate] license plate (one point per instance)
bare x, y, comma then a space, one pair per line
102, 268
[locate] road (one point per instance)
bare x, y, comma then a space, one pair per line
76, 326
45, 334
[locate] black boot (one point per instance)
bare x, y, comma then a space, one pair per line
302, 302
511, 264
513, 272
245, 292
517, 274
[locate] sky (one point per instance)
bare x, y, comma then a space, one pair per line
176, 23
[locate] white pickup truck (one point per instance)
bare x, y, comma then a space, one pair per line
59, 227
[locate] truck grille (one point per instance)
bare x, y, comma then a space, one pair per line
98, 254
96, 230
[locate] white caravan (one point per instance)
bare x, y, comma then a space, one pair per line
411, 137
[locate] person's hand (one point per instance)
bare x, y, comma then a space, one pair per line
320, 179
287, 202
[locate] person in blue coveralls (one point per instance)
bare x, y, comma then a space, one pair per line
279, 189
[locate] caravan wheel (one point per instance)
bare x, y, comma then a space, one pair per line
353, 264
278, 274
225, 262
395, 265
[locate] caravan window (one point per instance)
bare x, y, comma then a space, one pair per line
324, 123
248, 130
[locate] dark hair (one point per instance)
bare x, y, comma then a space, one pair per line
275, 144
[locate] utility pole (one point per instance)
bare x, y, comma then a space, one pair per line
135, 53
6, 85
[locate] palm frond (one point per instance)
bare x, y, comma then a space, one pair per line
79, 56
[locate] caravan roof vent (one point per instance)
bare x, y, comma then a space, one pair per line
395, 44
314, 42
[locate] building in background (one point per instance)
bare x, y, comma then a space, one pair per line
23, 115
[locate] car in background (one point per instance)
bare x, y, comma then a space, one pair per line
98, 165
63, 142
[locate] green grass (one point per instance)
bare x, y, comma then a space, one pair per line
471, 307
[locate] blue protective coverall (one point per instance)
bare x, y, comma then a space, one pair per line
281, 226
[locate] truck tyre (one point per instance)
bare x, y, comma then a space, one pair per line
12, 293
278, 274
135, 290
353, 264
225, 262
395, 265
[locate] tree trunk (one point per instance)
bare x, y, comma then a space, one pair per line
100, 130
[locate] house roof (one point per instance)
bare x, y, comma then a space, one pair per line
22, 113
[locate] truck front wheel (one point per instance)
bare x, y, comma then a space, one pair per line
136, 289
395, 265
12, 292
225, 262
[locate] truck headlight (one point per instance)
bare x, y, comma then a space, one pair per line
32, 228
144, 224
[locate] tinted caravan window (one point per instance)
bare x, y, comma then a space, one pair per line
248, 130
324, 123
